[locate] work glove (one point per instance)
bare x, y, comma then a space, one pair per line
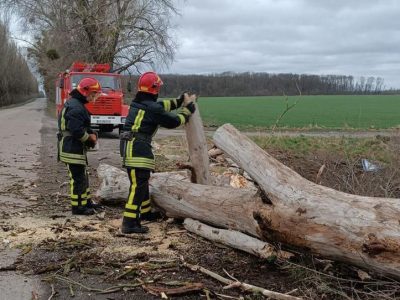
191, 107
180, 99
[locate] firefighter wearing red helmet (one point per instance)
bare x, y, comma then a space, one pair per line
146, 114
74, 138
150, 82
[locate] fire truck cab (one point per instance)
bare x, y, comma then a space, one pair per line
108, 111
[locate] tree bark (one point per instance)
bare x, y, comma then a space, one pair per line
363, 231
197, 143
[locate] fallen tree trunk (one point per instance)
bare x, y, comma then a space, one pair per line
363, 231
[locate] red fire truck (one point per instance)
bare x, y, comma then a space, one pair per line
109, 110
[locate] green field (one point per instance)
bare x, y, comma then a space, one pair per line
358, 112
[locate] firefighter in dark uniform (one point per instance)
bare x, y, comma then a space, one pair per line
75, 137
146, 114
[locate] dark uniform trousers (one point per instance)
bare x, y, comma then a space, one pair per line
79, 184
138, 203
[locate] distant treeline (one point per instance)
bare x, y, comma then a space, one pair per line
16, 80
266, 84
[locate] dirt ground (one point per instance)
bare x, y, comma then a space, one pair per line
48, 253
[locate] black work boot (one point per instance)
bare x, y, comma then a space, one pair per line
151, 216
94, 205
82, 210
130, 225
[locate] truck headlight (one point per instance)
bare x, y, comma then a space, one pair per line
123, 120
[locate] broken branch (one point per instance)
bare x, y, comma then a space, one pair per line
241, 285
235, 239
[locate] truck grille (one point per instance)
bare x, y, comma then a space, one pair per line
104, 106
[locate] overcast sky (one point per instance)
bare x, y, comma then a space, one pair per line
347, 37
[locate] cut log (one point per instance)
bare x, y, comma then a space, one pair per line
114, 186
224, 207
235, 239
363, 231
197, 143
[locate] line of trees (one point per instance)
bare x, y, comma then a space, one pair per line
266, 84
16, 80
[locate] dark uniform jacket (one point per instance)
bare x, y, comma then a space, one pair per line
74, 126
146, 114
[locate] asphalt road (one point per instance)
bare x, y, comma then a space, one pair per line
19, 155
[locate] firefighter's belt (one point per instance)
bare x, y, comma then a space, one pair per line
129, 136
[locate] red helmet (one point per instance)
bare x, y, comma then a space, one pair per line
88, 85
150, 82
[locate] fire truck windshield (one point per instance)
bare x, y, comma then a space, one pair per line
106, 82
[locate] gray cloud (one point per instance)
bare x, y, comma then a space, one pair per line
352, 37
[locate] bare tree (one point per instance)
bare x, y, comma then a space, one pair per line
379, 85
123, 33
